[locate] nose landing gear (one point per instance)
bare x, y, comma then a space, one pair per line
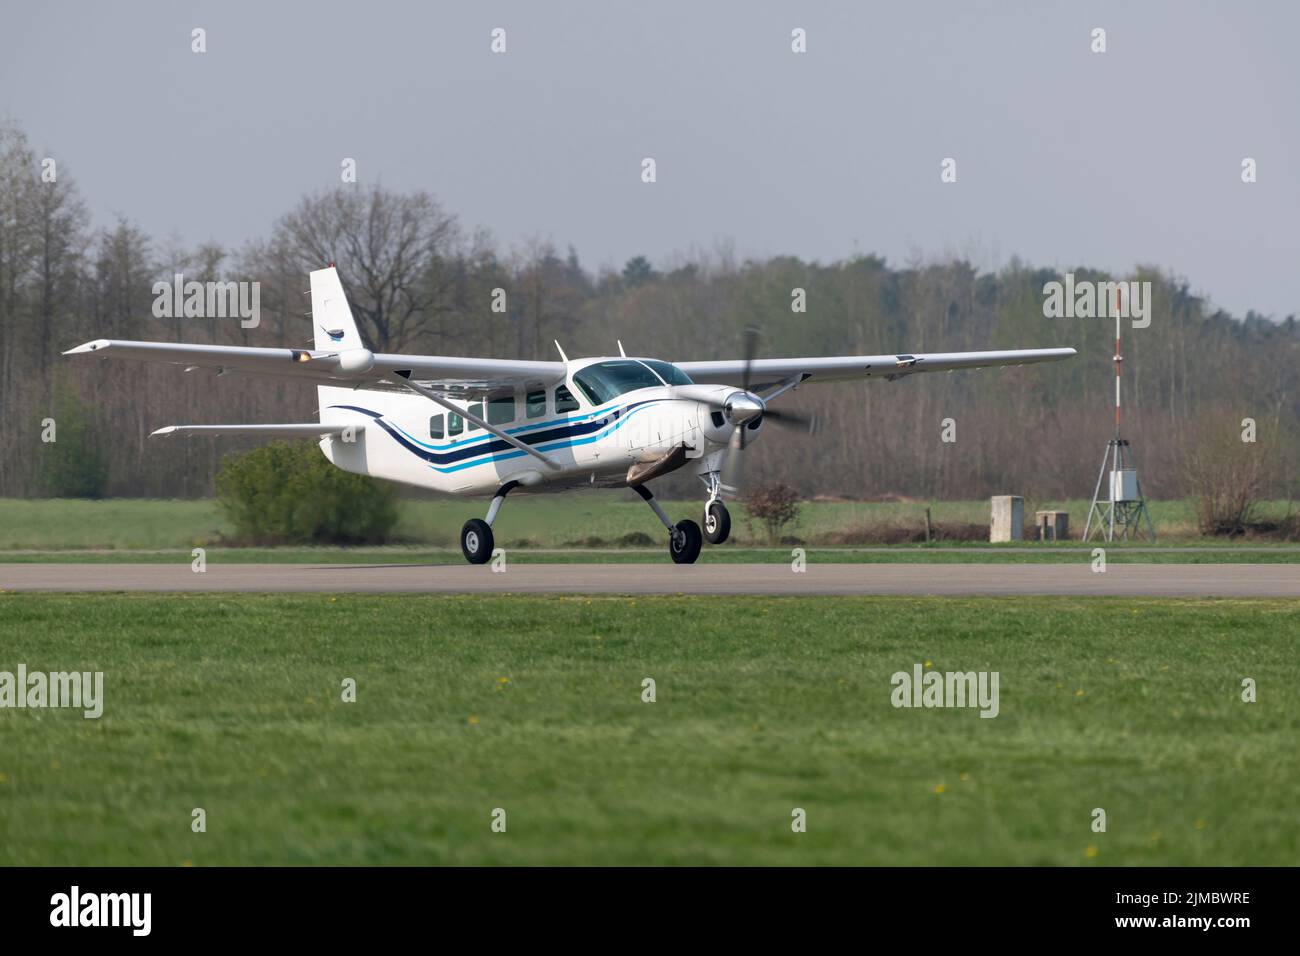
717, 519
717, 522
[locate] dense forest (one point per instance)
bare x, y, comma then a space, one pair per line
419, 280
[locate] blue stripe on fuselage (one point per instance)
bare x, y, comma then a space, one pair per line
567, 433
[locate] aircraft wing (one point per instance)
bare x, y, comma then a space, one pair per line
771, 371
334, 367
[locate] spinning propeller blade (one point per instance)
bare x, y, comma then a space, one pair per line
791, 419
744, 409
733, 460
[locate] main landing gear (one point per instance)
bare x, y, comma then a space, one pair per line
684, 538
476, 541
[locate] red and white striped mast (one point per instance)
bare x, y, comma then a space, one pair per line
1128, 506
1118, 357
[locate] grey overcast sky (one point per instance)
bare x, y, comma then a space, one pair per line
1064, 157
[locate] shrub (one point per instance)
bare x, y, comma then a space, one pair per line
1227, 477
591, 541
71, 466
775, 505
289, 493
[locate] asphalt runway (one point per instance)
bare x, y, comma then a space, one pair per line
1126, 580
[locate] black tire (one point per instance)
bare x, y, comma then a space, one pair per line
684, 546
717, 522
476, 541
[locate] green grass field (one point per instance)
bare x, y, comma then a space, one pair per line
569, 523
764, 705
727, 554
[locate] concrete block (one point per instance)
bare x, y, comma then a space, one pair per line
1052, 525
1007, 519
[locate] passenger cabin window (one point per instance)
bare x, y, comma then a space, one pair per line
564, 400
535, 404
606, 381
477, 411
435, 426
455, 424
501, 411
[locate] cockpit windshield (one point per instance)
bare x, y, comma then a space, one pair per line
606, 381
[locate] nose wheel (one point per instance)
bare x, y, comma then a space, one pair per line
717, 522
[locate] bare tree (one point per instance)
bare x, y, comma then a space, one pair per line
396, 255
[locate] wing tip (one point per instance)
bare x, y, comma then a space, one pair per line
92, 346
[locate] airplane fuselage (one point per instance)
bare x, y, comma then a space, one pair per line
408, 439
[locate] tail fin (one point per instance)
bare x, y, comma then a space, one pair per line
335, 330
331, 316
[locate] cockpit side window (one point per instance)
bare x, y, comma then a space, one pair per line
564, 400
670, 373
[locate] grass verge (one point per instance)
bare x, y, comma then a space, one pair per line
534, 705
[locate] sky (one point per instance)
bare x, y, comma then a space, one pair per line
1064, 157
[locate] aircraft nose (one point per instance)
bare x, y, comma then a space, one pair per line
743, 407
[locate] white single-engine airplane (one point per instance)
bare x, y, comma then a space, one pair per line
499, 424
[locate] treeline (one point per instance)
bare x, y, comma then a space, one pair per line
420, 281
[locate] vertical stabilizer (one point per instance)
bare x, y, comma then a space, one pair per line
335, 330
330, 313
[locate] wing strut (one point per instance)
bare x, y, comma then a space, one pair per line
304, 430
475, 420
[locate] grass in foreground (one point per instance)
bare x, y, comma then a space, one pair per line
534, 705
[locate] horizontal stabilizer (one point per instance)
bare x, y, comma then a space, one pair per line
308, 430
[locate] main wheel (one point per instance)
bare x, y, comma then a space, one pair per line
684, 545
717, 522
476, 541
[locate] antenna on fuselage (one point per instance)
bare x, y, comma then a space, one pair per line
620, 348
561, 351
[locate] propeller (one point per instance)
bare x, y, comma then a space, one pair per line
743, 409
790, 419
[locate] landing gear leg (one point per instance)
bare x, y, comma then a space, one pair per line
476, 541
717, 520
684, 538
